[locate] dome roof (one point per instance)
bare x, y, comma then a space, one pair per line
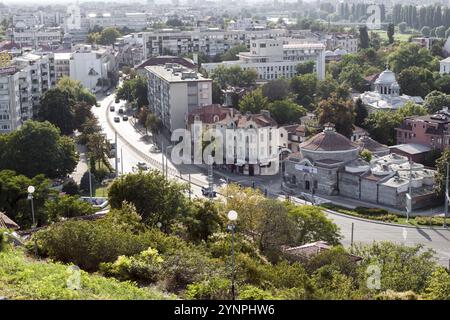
328, 140
387, 77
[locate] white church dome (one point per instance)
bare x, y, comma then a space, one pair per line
387, 77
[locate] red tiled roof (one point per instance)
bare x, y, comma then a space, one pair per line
328, 141
206, 114
162, 60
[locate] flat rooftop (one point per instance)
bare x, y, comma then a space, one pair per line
177, 74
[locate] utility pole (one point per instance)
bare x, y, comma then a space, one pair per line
409, 195
90, 178
446, 197
190, 189
351, 237
117, 162
162, 158
121, 160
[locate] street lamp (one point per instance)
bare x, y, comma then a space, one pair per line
31, 190
232, 216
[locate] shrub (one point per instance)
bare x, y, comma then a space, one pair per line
100, 174
215, 288
371, 211
70, 187
84, 183
431, 221
254, 293
393, 295
68, 207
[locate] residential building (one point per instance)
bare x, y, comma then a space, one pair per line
130, 50
444, 66
249, 140
386, 95
10, 113
428, 130
414, 151
33, 37
343, 41
210, 42
92, 66
425, 42
136, 21
329, 164
295, 135
62, 65
174, 90
276, 58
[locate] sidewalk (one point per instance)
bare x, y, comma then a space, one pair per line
82, 166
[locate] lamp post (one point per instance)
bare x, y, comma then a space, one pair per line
31, 190
232, 216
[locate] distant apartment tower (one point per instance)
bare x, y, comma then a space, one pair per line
174, 90
210, 42
277, 58
10, 113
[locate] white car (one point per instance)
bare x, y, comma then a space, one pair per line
154, 149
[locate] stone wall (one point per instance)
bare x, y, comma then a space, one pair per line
349, 185
369, 190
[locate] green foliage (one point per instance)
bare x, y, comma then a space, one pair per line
366, 155
56, 106
67, 207
234, 76
134, 90
393, 295
440, 176
23, 278
330, 284
108, 36
305, 67
253, 102
250, 292
85, 184
231, 53
155, 198
352, 75
286, 111
438, 287
311, 224
277, 89
339, 112
14, 198
363, 37
211, 289
416, 81
38, 148
304, 88
436, 100
390, 32
410, 55
202, 220
360, 112
70, 187
402, 268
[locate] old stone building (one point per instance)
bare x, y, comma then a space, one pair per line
329, 164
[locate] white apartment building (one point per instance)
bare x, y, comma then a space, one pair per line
210, 42
444, 66
91, 64
10, 113
276, 58
21, 87
174, 90
35, 37
62, 65
342, 41
132, 20
130, 49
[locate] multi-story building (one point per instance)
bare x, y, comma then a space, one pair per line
22, 84
429, 130
34, 37
130, 50
92, 66
343, 41
10, 113
133, 20
277, 58
174, 90
210, 42
62, 65
250, 142
444, 66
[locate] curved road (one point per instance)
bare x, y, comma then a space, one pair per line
134, 149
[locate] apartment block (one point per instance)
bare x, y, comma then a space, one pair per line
174, 90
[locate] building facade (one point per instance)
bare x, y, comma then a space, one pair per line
174, 90
329, 164
276, 58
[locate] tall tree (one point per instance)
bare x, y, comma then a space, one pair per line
390, 32
57, 108
339, 112
363, 37
253, 102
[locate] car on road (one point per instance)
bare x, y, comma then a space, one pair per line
108, 93
154, 149
208, 192
125, 118
121, 110
116, 119
117, 100
142, 166
112, 109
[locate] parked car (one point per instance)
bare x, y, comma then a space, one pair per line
116, 119
142, 166
112, 109
154, 149
121, 110
208, 192
125, 118
117, 100
108, 93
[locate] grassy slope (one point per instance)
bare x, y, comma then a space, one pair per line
24, 278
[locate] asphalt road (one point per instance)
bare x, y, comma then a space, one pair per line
135, 149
